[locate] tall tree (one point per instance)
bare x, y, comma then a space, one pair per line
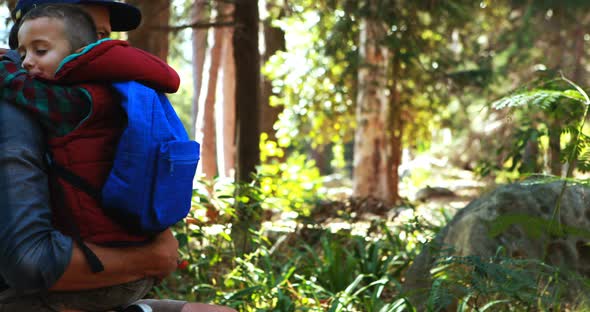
152, 34
247, 62
199, 13
228, 90
215, 117
396, 130
390, 87
372, 149
208, 104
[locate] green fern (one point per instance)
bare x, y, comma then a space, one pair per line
548, 99
584, 161
541, 98
499, 283
440, 297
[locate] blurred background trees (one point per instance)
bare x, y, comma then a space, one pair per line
351, 86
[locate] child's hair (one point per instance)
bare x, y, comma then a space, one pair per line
79, 26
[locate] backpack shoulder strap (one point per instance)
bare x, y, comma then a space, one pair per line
72, 178
61, 172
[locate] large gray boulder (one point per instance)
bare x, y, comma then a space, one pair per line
515, 216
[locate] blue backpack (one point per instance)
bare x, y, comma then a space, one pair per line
150, 185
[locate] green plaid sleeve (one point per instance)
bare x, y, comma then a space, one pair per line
59, 108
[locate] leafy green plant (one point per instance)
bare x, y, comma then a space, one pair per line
206, 255
289, 185
333, 264
577, 150
564, 103
501, 283
261, 284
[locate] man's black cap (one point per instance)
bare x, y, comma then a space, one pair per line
124, 16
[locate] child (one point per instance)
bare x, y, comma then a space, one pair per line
84, 122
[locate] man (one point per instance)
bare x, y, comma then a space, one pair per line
34, 257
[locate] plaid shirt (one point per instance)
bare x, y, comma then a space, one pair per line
59, 108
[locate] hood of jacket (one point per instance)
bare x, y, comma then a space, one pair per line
116, 61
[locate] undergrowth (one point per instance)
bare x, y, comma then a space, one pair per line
312, 268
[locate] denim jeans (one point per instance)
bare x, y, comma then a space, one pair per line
99, 300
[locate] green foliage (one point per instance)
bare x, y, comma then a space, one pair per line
568, 104
316, 79
334, 272
334, 264
314, 269
289, 185
501, 284
182, 102
317, 109
543, 99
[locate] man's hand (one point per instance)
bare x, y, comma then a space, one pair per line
162, 254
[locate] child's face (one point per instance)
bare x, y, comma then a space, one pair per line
42, 46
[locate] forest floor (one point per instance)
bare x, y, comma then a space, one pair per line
432, 191
442, 191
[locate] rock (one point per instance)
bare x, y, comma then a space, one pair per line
428, 193
519, 214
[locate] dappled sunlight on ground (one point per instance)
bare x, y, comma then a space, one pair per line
433, 191
437, 190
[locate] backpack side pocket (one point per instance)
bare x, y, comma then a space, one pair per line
173, 185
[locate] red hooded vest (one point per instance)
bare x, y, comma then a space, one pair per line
89, 150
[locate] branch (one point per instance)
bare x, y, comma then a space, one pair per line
197, 25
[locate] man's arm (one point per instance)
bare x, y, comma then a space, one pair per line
33, 255
121, 264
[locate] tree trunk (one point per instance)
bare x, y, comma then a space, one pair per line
208, 99
372, 172
199, 41
228, 89
151, 34
530, 156
397, 127
247, 62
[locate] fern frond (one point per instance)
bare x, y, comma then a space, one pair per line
569, 129
583, 163
575, 95
571, 151
541, 98
584, 139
